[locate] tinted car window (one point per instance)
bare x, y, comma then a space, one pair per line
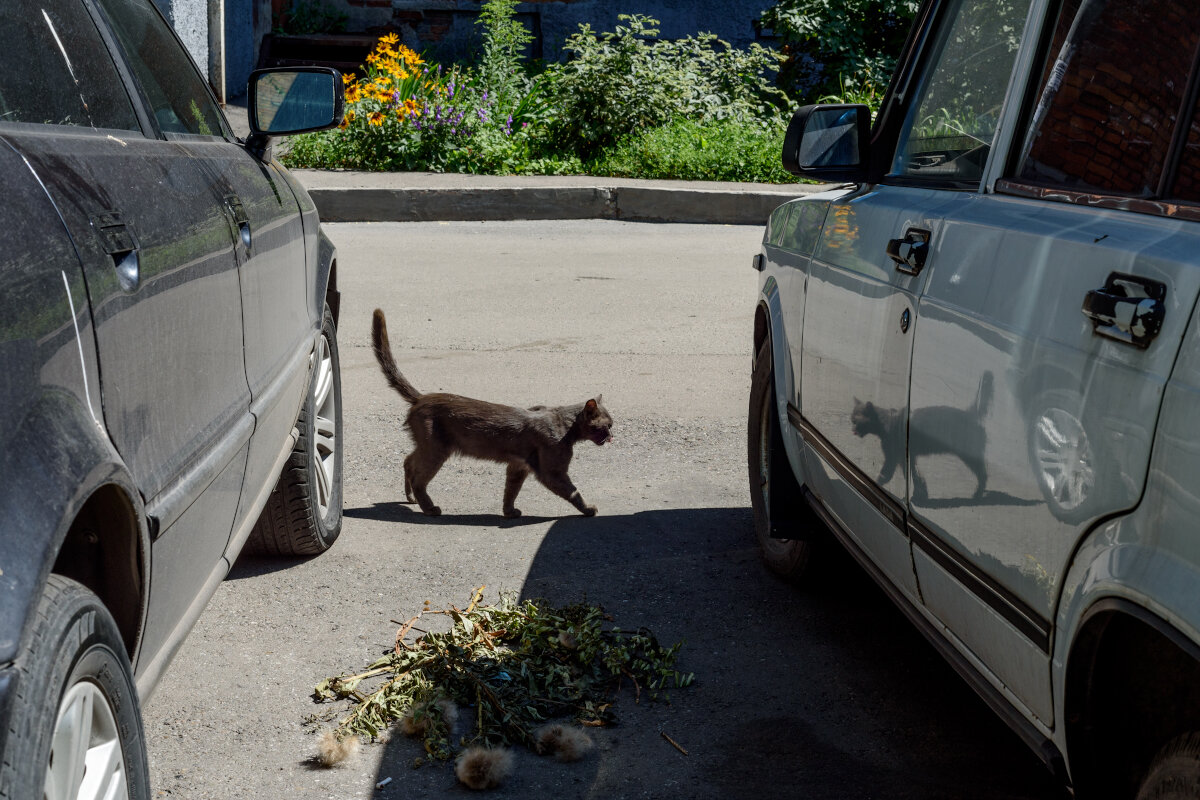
1114, 87
949, 130
54, 69
177, 94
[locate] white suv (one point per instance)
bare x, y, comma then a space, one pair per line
979, 364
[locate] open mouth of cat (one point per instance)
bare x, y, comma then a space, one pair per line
601, 437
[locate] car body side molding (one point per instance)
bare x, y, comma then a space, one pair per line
1019, 614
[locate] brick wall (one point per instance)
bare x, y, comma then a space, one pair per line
1110, 125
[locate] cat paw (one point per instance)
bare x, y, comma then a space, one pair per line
588, 511
433, 511
512, 513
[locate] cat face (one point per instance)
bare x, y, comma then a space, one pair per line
597, 423
863, 418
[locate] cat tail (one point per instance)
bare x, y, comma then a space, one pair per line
383, 353
983, 396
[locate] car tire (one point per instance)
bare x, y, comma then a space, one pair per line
1175, 772
1065, 460
303, 516
75, 727
774, 493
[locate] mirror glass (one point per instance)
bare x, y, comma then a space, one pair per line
830, 138
287, 101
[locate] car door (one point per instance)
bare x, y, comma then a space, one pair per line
156, 246
1049, 327
869, 270
269, 236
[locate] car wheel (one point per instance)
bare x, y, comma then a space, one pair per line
74, 729
304, 513
774, 492
1175, 772
1064, 458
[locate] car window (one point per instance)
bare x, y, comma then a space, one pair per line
1116, 80
1187, 181
949, 129
55, 69
179, 98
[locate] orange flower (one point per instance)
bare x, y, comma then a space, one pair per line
375, 118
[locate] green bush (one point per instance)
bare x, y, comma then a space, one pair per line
720, 150
504, 42
622, 82
831, 44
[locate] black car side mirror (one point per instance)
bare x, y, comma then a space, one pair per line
828, 143
291, 100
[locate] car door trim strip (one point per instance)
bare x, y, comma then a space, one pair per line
168, 506
1004, 602
883, 502
1012, 608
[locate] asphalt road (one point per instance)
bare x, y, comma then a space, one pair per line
816, 692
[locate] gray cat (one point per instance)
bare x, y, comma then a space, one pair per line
538, 440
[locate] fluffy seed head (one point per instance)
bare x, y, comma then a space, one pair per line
483, 767
331, 752
418, 719
567, 744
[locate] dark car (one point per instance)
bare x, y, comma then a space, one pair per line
171, 391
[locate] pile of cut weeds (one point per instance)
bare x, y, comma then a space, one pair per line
510, 667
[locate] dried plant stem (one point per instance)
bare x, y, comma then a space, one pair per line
674, 743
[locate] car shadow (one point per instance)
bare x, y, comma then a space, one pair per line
821, 691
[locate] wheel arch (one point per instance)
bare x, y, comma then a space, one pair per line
327, 283
80, 515
1132, 685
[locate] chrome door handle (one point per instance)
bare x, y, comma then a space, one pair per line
910, 252
1128, 308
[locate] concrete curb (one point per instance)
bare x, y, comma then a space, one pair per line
535, 200
421, 196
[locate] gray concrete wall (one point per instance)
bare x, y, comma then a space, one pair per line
246, 22
190, 20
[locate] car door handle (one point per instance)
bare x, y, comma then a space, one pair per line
910, 252
238, 212
1128, 308
118, 241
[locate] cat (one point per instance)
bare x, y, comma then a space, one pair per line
538, 440
959, 432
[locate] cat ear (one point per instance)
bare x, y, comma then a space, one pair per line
590, 405
599, 399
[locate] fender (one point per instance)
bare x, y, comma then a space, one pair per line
770, 307
56, 459
1147, 559
320, 254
